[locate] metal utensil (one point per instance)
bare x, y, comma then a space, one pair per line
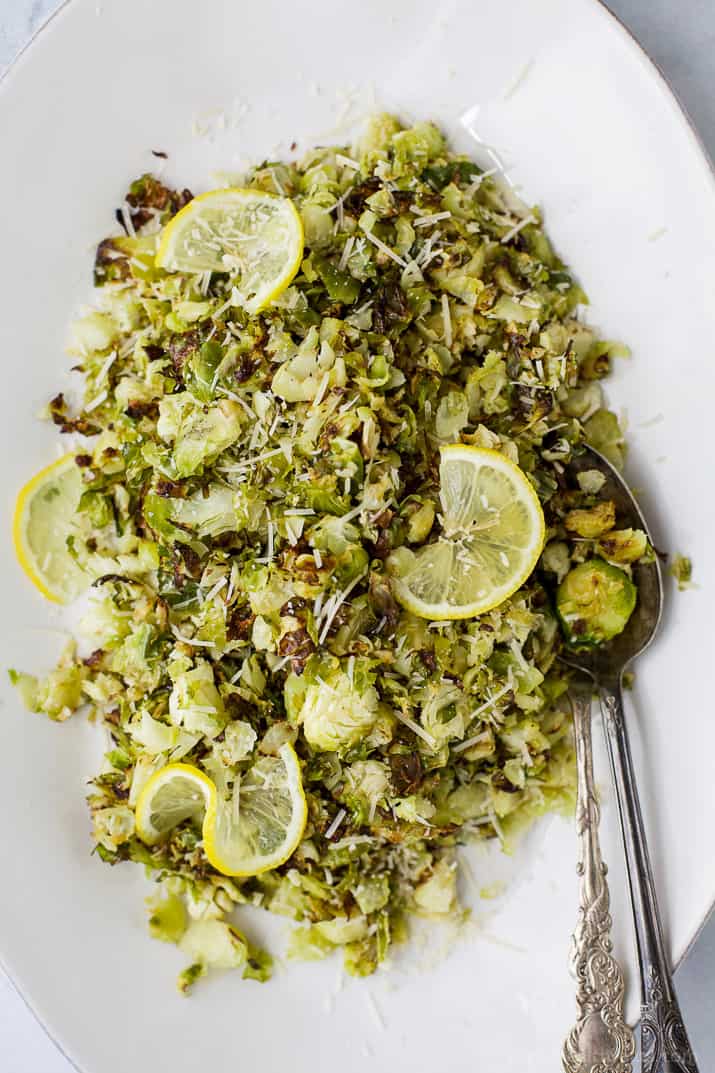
665, 1047
600, 1039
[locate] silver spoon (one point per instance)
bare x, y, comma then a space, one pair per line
599, 1043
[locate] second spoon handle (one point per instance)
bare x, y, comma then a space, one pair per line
600, 1040
665, 1047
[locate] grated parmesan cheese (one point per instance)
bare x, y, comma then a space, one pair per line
515, 231
335, 824
416, 729
347, 161
95, 402
447, 321
345, 255
385, 249
432, 218
338, 602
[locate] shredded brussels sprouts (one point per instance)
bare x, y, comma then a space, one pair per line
246, 478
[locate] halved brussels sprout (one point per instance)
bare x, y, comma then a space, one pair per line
594, 602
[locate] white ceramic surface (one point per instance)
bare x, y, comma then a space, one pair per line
592, 134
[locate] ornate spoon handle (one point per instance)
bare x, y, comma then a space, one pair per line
664, 1041
600, 1041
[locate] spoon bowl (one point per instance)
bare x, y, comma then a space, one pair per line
606, 662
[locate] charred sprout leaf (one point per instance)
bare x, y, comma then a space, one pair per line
390, 308
406, 769
534, 402
111, 262
148, 199
57, 409
354, 202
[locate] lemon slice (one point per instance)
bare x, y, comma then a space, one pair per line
173, 794
254, 236
492, 536
256, 831
45, 516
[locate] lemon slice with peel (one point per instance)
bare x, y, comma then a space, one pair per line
492, 536
173, 794
257, 830
254, 236
45, 516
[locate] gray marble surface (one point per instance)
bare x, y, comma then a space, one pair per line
680, 36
